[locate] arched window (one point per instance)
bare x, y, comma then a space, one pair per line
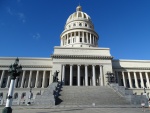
85, 25
76, 33
38, 93
74, 24
80, 24
16, 96
23, 95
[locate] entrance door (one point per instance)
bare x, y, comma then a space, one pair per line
74, 81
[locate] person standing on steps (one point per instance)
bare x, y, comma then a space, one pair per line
143, 105
149, 103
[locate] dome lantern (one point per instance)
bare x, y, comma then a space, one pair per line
79, 8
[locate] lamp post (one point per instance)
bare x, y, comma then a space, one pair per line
14, 71
30, 95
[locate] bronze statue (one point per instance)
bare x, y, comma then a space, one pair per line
55, 77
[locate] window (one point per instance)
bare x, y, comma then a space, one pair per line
85, 39
76, 33
69, 41
80, 24
85, 25
80, 33
15, 95
74, 24
23, 95
80, 39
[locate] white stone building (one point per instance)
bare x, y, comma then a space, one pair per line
80, 62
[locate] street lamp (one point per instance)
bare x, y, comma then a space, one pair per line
14, 71
30, 95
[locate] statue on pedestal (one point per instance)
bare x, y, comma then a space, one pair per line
55, 77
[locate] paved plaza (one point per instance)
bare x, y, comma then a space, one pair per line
68, 109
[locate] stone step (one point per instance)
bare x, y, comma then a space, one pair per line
86, 95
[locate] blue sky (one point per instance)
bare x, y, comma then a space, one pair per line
31, 28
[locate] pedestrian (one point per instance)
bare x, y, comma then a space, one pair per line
149, 103
143, 106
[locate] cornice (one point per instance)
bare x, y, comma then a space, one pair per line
29, 66
58, 56
133, 68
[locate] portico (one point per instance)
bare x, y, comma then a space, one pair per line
82, 75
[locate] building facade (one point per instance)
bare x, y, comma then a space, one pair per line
80, 62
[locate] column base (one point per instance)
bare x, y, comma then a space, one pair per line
7, 110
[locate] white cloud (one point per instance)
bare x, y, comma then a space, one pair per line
19, 15
9, 11
37, 36
18, 1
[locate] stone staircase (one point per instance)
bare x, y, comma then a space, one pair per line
89, 95
48, 96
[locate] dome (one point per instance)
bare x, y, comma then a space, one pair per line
79, 31
78, 15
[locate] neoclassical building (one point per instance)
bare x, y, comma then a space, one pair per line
80, 62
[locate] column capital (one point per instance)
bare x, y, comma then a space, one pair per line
101, 66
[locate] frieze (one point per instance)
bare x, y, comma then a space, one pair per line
81, 57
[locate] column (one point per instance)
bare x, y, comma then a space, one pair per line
124, 80
147, 80
43, 82
141, 77
78, 75
70, 75
2, 77
37, 77
86, 75
22, 81
63, 75
136, 82
78, 37
67, 38
30, 82
83, 37
87, 37
130, 82
90, 38
71, 38
94, 82
50, 78
93, 39
61, 39
101, 76
8, 81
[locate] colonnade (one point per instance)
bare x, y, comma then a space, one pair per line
87, 75
83, 37
28, 78
133, 79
